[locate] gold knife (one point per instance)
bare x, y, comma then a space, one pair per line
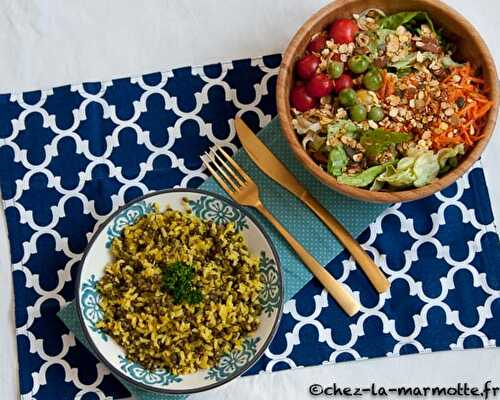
277, 171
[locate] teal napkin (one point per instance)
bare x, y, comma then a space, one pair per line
355, 215
294, 216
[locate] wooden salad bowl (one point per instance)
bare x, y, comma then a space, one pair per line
470, 46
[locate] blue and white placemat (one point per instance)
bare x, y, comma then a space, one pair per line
71, 155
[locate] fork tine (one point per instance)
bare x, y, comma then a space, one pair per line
228, 168
222, 172
236, 166
216, 175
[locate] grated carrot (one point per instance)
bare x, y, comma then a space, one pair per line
470, 88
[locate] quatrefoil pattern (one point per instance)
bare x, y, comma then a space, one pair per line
441, 255
70, 156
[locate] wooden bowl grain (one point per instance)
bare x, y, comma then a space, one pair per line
471, 47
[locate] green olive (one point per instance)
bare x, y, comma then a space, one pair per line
373, 79
376, 114
347, 97
359, 64
358, 112
335, 69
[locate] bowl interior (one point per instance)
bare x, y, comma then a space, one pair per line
470, 46
206, 206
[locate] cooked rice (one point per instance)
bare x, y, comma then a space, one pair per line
141, 315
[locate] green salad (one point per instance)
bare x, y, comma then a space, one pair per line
380, 103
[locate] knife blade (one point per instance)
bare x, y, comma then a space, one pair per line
270, 165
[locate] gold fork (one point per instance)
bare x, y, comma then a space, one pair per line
242, 189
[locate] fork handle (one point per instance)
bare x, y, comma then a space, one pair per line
374, 274
345, 300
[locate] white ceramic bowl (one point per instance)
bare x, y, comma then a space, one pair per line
206, 206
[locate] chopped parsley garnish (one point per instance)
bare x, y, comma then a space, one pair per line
178, 281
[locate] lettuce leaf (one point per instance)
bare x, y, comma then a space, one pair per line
364, 178
410, 59
447, 62
337, 160
410, 19
381, 37
418, 169
342, 127
376, 141
449, 156
397, 177
426, 168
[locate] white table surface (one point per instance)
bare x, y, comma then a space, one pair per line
49, 43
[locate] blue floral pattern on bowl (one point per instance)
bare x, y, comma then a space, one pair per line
127, 217
91, 308
141, 374
270, 294
215, 210
232, 362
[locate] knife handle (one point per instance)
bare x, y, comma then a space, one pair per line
372, 271
334, 287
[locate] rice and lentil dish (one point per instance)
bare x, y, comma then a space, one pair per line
379, 101
180, 291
